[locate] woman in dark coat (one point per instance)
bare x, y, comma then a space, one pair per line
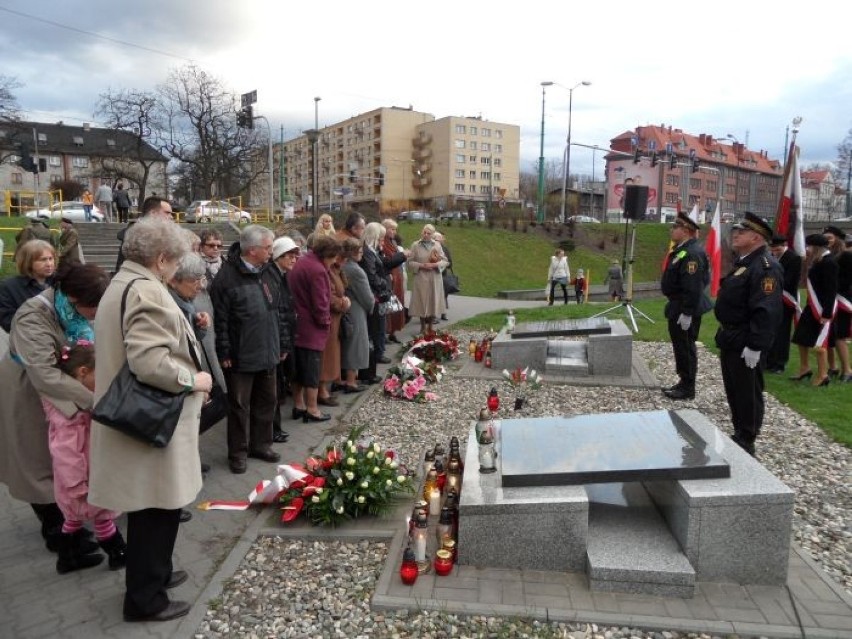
36, 263
812, 331
393, 257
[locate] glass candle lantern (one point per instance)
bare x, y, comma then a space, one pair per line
471, 348
454, 476
493, 400
430, 484
442, 475
428, 462
444, 528
435, 501
450, 545
441, 454
443, 562
510, 322
455, 455
488, 359
421, 531
480, 353
408, 571
487, 454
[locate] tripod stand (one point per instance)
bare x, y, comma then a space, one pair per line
626, 301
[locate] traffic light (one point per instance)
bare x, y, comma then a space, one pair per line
636, 156
42, 165
653, 159
26, 162
673, 162
695, 165
352, 175
245, 117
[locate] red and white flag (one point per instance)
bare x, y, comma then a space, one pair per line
713, 247
788, 219
693, 214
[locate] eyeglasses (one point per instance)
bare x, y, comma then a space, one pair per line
213, 244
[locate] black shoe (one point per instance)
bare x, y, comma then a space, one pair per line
205, 468
176, 579
337, 387
280, 436
327, 401
173, 610
237, 466
323, 417
803, 376
384, 359
680, 393
677, 386
265, 455
71, 559
394, 339
116, 551
444, 317
833, 372
372, 380
185, 515
297, 412
358, 388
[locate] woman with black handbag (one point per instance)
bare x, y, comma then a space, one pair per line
158, 344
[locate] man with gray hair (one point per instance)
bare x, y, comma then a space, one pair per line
250, 342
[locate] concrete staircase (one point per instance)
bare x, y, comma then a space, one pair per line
100, 242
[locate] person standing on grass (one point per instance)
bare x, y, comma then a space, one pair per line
558, 273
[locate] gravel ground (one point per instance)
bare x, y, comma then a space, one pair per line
287, 588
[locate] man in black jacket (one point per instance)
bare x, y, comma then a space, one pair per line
250, 342
791, 262
151, 206
685, 277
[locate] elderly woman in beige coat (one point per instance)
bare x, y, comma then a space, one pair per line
149, 484
426, 263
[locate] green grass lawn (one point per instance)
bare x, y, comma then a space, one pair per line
827, 407
9, 227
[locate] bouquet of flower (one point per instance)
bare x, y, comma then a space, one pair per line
353, 479
434, 347
522, 379
408, 382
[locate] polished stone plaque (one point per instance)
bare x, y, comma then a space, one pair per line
565, 327
604, 447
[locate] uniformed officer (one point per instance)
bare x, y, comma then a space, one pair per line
684, 283
748, 308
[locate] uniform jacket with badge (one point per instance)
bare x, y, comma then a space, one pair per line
26, 377
749, 305
126, 474
246, 315
685, 281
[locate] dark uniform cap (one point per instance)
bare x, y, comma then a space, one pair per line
752, 222
816, 239
834, 231
683, 219
778, 240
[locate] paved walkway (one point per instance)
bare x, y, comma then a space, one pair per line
37, 602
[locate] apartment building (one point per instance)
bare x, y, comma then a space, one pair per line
680, 167
393, 159
83, 154
822, 199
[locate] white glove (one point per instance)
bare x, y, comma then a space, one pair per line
684, 321
751, 357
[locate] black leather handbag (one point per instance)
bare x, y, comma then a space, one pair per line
138, 410
451, 282
215, 409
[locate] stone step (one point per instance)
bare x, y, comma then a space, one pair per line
567, 356
630, 548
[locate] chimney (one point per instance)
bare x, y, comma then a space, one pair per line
702, 139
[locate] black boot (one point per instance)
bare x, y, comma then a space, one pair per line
71, 559
116, 551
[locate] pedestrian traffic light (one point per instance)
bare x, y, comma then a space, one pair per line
352, 175
673, 162
636, 156
653, 159
695, 165
245, 117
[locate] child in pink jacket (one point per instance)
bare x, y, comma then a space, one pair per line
68, 439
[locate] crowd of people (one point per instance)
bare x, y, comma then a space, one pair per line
288, 316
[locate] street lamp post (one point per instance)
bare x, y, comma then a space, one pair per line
567, 165
315, 163
540, 212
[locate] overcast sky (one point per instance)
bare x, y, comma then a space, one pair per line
739, 67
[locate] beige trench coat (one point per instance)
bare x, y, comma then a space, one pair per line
427, 287
127, 475
36, 337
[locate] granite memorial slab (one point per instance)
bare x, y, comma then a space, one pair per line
607, 447
562, 328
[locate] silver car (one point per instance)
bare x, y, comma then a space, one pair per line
215, 211
72, 210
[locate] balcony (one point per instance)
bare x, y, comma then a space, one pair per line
422, 154
422, 139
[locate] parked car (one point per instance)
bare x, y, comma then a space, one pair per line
582, 219
215, 211
416, 216
72, 210
452, 215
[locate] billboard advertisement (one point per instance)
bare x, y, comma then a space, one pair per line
623, 173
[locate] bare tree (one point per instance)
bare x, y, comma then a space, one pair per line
200, 121
8, 102
844, 170
138, 115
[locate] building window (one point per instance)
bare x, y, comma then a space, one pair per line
42, 137
484, 189
461, 129
498, 133
80, 162
473, 130
460, 158
693, 200
671, 198
498, 162
473, 175
711, 185
485, 147
498, 148
55, 178
55, 160
459, 144
496, 177
110, 142
694, 183
485, 160
472, 159
472, 188
473, 145
459, 188
17, 178
486, 133
672, 180
78, 140
484, 175
460, 173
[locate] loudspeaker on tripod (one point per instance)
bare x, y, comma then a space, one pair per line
635, 201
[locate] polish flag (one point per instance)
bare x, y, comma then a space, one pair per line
788, 219
693, 214
713, 247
